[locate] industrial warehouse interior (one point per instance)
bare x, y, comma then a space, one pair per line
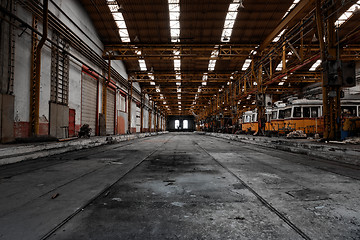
178, 119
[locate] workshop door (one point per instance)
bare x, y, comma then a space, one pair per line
110, 112
72, 123
89, 101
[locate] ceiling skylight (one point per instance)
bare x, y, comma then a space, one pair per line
174, 16
277, 38
142, 65
291, 8
230, 20
348, 14
177, 64
211, 66
119, 20
315, 65
246, 64
226, 33
279, 66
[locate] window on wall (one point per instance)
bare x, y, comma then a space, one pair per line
122, 104
177, 124
59, 70
185, 124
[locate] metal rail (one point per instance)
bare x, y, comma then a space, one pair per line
52, 231
260, 198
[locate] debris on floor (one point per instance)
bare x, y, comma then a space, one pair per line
296, 134
355, 140
55, 195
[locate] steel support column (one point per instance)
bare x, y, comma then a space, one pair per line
129, 106
36, 71
331, 94
142, 112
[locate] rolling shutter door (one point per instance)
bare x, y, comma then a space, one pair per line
110, 111
89, 101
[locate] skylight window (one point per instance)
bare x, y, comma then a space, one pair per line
119, 20
291, 8
177, 64
142, 65
277, 38
174, 16
348, 14
214, 53
279, 66
315, 65
226, 33
246, 64
204, 79
212, 64
230, 21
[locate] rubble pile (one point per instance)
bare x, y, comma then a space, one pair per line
296, 134
353, 140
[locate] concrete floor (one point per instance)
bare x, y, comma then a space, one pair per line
179, 186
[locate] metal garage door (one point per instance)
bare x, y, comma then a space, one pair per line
88, 101
110, 111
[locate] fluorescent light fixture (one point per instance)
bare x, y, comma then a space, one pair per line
204, 83
178, 83
315, 65
152, 83
281, 83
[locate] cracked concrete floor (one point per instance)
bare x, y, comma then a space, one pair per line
180, 186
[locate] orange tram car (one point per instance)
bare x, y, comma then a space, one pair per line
305, 115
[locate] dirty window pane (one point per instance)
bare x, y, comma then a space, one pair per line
306, 112
348, 111
288, 113
314, 112
177, 124
274, 115
281, 114
297, 111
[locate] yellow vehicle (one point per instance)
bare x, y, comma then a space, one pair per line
305, 115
